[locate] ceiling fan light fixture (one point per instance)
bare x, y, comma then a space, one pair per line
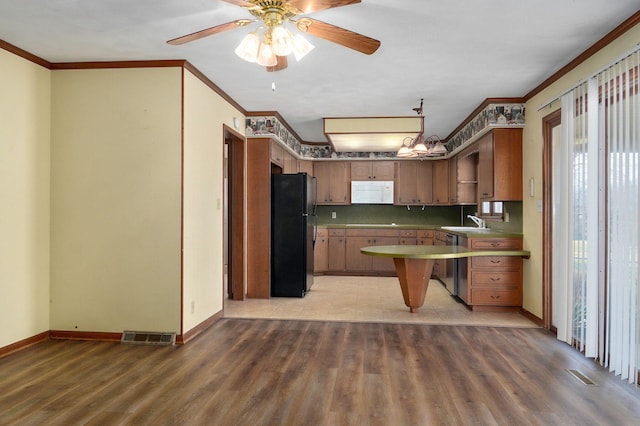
266, 57
249, 47
301, 47
281, 41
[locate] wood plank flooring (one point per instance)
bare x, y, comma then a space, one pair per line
274, 372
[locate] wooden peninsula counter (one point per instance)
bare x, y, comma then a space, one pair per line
414, 265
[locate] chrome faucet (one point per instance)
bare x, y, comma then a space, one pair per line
480, 222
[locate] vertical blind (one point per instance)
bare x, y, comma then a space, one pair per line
595, 218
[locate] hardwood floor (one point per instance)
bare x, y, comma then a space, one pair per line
275, 372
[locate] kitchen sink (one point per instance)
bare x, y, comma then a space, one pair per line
465, 228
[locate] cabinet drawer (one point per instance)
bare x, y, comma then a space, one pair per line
490, 278
425, 233
321, 232
408, 241
503, 262
336, 232
410, 233
496, 243
498, 296
364, 232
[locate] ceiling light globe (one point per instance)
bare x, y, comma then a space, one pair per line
404, 152
266, 57
301, 47
281, 41
248, 47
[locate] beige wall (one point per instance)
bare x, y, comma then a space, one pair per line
205, 113
24, 193
116, 199
532, 152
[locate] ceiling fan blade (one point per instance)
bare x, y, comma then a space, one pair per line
282, 64
308, 6
241, 3
341, 36
209, 31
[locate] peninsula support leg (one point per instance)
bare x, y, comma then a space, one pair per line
414, 275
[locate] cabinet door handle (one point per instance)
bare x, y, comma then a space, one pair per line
495, 261
495, 297
494, 279
494, 244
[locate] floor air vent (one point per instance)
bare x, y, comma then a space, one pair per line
580, 376
148, 338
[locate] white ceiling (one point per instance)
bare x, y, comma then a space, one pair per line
452, 54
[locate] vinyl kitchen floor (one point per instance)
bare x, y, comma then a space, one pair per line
369, 299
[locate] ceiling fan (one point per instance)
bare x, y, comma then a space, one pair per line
277, 41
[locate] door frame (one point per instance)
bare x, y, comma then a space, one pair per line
549, 122
235, 212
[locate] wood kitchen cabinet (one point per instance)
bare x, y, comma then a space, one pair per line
372, 170
466, 182
358, 238
333, 182
290, 163
441, 182
453, 181
408, 237
337, 250
277, 153
414, 184
424, 237
321, 251
500, 165
305, 166
440, 265
345, 244
492, 283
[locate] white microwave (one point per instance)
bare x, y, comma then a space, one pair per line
372, 192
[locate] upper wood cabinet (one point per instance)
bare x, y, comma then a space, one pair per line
277, 153
305, 166
500, 165
414, 183
453, 181
333, 182
466, 182
372, 170
441, 182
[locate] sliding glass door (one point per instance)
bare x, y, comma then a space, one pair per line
595, 218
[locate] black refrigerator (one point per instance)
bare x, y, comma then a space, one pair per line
293, 224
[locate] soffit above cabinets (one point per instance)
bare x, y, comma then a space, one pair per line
371, 134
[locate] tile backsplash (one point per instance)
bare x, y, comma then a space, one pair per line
416, 215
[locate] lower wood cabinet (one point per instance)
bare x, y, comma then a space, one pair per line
321, 251
492, 282
337, 251
358, 238
342, 249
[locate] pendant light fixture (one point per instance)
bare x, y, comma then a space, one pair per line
420, 147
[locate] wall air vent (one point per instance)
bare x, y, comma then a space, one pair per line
148, 338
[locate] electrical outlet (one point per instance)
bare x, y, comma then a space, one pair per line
333, 215
506, 216
193, 306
